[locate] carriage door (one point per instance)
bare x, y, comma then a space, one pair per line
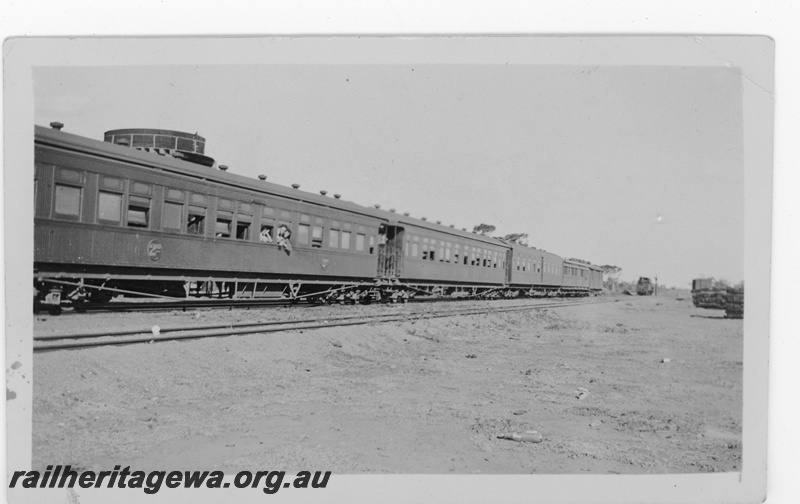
390, 251
509, 260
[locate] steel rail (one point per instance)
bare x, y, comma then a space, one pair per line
163, 330
224, 330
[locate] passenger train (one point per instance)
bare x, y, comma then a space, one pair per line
146, 213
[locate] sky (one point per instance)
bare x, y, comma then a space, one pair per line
635, 166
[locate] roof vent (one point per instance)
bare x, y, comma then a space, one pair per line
392, 210
223, 167
262, 177
296, 186
337, 196
377, 205
406, 214
463, 229
438, 222
178, 144
323, 192
56, 125
424, 218
452, 225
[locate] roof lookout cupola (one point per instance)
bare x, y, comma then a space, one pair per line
178, 144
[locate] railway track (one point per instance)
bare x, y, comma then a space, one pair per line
128, 337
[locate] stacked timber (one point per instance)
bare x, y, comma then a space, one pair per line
734, 303
705, 296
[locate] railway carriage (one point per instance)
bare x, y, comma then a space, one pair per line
123, 219
453, 260
576, 277
595, 278
146, 213
536, 271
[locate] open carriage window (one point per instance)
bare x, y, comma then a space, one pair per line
195, 223
138, 211
242, 230
267, 234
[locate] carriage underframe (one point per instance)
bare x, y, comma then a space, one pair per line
56, 290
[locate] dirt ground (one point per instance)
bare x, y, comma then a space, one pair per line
639, 385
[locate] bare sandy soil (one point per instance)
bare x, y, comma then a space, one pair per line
640, 385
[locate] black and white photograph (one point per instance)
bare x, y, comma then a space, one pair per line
268, 267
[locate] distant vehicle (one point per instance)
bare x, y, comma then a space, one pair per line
645, 287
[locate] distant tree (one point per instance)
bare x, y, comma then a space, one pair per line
581, 261
610, 270
484, 229
519, 238
611, 273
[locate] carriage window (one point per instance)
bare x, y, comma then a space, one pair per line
414, 249
138, 211
316, 237
109, 207
222, 228
174, 194
303, 232
68, 200
424, 251
173, 216
346, 240
360, 241
268, 212
69, 175
267, 233
372, 244
139, 188
242, 230
195, 224
334, 241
